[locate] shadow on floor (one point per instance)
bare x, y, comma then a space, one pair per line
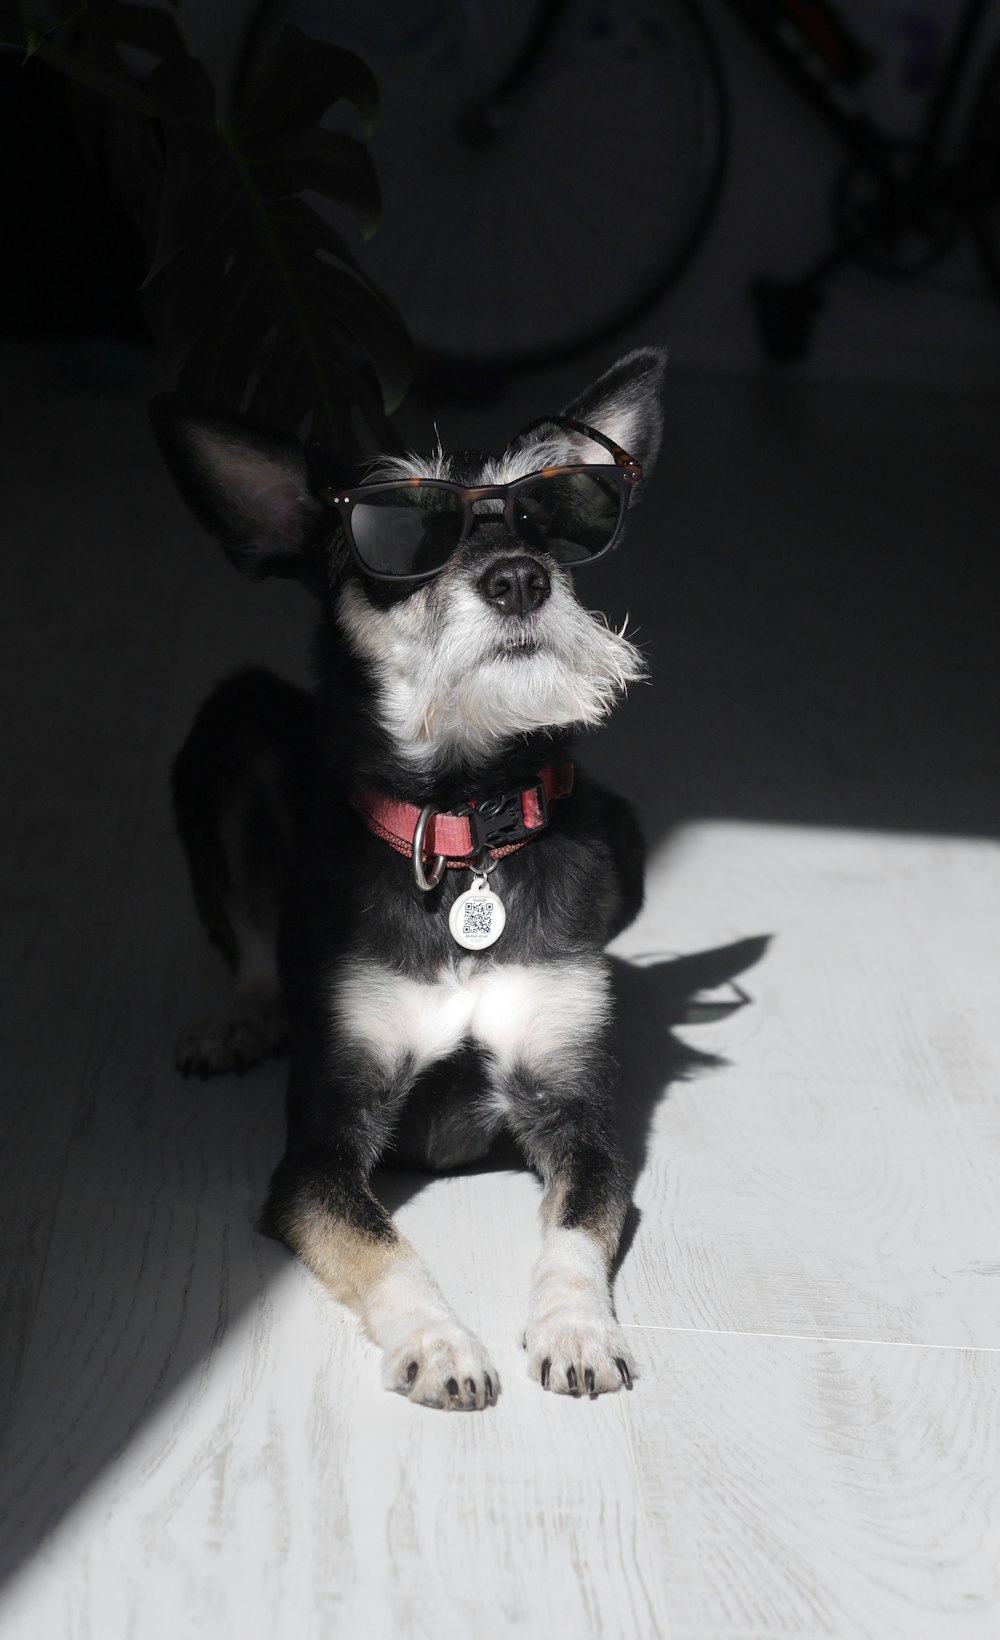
651, 998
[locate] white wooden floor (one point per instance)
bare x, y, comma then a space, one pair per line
196, 1443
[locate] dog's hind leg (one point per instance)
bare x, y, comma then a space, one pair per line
238, 785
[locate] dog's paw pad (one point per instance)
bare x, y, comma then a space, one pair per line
214, 1046
443, 1367
576, 1354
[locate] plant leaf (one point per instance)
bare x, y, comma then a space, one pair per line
146, 27
254, 294
125, 147
283, 100
337, 165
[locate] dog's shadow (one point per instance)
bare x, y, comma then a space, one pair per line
653, 996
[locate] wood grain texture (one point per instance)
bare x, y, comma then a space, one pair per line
808, 1488
840, 1174
852, 986
287, 1493
850, 1210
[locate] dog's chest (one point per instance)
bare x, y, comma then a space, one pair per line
522, 1014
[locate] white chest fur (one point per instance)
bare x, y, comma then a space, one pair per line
522, 1014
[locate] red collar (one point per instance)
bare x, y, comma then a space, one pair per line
501, 822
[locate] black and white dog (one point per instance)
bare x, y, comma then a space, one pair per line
403, 864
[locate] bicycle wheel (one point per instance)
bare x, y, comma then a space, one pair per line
547, 167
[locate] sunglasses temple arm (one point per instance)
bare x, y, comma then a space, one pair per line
621, 456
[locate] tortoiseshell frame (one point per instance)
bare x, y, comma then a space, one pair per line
625, 473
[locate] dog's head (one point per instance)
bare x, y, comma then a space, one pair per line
492, 645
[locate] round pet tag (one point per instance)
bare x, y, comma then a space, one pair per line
477, 917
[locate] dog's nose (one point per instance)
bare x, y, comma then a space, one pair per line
515, 586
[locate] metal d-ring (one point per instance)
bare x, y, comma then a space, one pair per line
420, 877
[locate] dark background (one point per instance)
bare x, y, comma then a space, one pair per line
71, 262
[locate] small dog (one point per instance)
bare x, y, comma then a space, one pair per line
405, 865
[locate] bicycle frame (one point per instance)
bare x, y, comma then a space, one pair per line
898, 205
815, 52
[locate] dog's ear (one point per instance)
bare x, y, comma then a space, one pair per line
247, 484
624, 404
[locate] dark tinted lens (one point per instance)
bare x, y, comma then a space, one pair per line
571, 516
407, 530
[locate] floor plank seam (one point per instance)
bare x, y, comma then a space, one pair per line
820, 1079
810, 1338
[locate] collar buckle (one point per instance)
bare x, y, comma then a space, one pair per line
501, 818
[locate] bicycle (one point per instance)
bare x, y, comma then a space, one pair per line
898, 205
519, 230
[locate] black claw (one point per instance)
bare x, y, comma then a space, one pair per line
470, 1384
489, 1387
623, 1369
411, 1372
546, 1368
571, 1378
588, 1379
452, 1386
524, 1341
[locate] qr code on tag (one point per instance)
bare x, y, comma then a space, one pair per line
478, 917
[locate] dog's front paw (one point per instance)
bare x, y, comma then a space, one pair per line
442, 1366
255, 1032
576, 1353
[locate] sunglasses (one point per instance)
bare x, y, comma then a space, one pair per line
408, 529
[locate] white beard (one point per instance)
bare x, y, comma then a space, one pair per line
454, 678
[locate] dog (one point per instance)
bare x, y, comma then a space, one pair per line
404, 869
